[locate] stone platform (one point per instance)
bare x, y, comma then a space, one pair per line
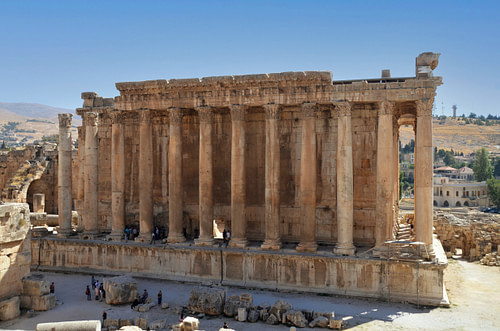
323, 272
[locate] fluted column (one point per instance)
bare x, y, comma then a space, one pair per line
395, 181
308, 180
423, 174
117, 177
345, 204
64, 175
206, 180
238, 180
272, 178
80, 192
385, 153
145, 176
175, 212
91, 202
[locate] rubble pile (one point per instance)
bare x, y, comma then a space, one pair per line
491, 259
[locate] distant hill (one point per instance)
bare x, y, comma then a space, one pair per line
30, 110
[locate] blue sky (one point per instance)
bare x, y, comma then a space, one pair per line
51, 51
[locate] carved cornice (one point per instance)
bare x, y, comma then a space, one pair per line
175, 115
90, 119
65, 120
273, 111
386, 108
308, 109
343, 108
238, 112
205, 114
144, 115
424, 107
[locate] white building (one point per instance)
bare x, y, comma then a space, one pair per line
458, 193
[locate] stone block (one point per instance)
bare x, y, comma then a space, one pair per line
320, 322
295, 318
164, 305
335, 324
146, 307
253, 316
242, 314
38, 303
120, 290
35, 285
109, 322
233, 303
125, 322
158, 324
141, 322
272, 320
9, 309
208, 300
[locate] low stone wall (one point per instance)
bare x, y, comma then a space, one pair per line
476, 234
282, 270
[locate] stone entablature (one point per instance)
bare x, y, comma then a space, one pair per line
328, 148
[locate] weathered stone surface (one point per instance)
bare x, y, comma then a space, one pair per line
130, 328
253, 315
296, 318
320, 322
35, 285
158, 324
9, 309
109, 322
141, 321
38, 303
234, 302
70, 326
207, 300
164, 305
242, 314
335, 324
263, 314
279, 308
145, 307
272, 320
120, 290
125, 322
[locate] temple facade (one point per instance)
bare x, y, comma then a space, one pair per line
292, 157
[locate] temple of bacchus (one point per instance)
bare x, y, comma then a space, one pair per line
301, 169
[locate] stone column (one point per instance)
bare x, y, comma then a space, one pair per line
80, 193
238, 179
385, 153
345, 204
145, 176
117, 177
65, 201
175, 211
272, 178
395, 180
423, 175
91, 202
308, 180
206, 178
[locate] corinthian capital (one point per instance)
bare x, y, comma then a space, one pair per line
424, 107
205, 114
90, 119
238, 112
144, 115
386, 108
273, 111
343, 108
65, 120
308, 109
175, 115
116, 117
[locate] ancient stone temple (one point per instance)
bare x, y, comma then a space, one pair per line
293, 163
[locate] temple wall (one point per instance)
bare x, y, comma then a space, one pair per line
283, 270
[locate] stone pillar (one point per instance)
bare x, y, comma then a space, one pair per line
175, 212
80, 192
272, 178
345, 204
38, 203
65, 200
206, 178
423, 175
395, 180
145, 176
308, 180
384, 193
117, 177
238, 179
91, 203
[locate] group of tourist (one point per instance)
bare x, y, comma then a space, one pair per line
98, 288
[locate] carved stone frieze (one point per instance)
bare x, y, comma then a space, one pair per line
144, 115
386, 108
175, 115
343, 108
424, 107
90, 119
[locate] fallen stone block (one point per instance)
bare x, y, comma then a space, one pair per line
141, 322
70, 326
120, 290
125, 322
320, 322
272, 320
295, 318
9, 309
145, 307
208, 300
233, 303
279, 308
164, 305
38, 303
242, 314
158, 324
335, 324
108, 323
35, 285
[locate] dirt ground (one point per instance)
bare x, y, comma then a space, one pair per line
473, 290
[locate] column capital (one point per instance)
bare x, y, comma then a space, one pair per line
65, 120
238, 112
386, 108
90, 119
424, 107
117, 117
308, 109
144, 114
343, 108
205, 114
175, 115
273, 111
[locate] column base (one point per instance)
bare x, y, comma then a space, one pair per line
175, 239
238, 243
345, 250
143, 238
89, 235
63, 233
310, 247
204, 242
272, 245
380, 251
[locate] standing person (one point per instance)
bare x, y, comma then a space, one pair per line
104, 316
228, 237
97, 290
101, 292
224, 236
52, 287
88, 294
159, 297
144, 296
93, 282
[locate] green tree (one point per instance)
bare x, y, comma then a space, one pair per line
494, 191
482, 167
496, 171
